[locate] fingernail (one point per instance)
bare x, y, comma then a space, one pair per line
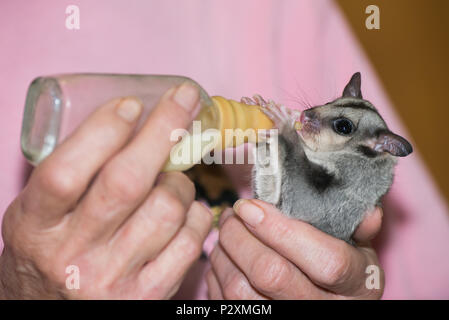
129, 109
187, 96
249, 212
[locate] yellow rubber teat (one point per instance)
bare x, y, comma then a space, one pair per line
223, 114
236, 115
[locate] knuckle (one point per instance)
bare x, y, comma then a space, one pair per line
55, 269
12, 225
180, 184
335, 272
279, 227
123, 182
280, 231
191, 244
58, 180
236, 288
165, 123
170, 207
51, 264
270, 273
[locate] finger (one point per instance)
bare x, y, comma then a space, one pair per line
369, 227
267, 271
228, 212
248, 101
329, 262
171, 265
127, 178
213, 287
59, 181
155, 223
181, 186
233, 283
259, 100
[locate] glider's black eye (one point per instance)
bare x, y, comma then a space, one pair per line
343, 126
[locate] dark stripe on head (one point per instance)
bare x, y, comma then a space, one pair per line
357, 105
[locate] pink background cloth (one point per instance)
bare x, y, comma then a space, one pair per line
285, 50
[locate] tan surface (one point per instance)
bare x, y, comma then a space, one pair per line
410, 53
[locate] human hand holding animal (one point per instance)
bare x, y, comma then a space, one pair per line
98, 203
262, 254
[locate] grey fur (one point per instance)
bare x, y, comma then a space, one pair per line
327, 179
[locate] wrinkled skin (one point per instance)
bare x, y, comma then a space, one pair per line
98, 203
276, 257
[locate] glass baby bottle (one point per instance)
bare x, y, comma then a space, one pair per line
56, 105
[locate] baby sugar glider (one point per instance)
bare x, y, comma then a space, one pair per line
335, 168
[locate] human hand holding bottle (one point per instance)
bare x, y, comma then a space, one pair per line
97, 203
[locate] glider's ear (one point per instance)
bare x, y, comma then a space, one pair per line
353, 88
393, 144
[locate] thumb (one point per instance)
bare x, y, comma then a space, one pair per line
370, 226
